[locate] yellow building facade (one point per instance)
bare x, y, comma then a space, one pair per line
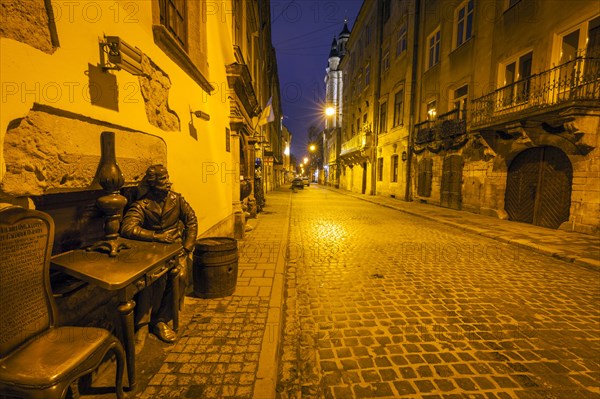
166, 95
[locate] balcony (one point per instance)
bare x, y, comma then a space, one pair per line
447, 131
574, 83
357, 145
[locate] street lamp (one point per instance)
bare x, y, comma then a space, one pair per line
329, 111
312, 148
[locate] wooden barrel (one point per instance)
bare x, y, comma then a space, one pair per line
215, 267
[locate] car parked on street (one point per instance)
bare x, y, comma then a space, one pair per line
297, 183
305, 181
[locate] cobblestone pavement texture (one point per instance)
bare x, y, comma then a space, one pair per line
381, 303
581, 249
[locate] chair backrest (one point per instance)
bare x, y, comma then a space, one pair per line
26, 303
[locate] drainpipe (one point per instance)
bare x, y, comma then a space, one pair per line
413, 101
376, 93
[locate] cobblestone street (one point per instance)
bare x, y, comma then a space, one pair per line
379, 303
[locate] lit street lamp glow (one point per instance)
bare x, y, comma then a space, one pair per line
312, 148
329, 111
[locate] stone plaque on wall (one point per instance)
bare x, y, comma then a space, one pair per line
25, 242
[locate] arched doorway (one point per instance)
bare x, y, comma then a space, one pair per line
538, 189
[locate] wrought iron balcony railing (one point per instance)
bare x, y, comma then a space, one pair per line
446, 126
452, 124
425, 132
575, 80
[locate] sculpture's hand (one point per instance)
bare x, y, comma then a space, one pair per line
166, 237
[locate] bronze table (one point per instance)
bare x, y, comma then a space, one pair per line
129, 272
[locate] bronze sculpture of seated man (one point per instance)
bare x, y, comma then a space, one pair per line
160, 215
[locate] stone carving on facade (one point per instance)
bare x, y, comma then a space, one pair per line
155, 86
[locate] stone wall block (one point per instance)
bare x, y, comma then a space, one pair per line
27, 21
56, 152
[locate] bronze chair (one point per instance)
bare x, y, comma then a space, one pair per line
37, 358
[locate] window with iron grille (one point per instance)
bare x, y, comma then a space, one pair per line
173, 15
379, 169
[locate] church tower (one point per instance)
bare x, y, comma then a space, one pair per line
333, 78
343, 39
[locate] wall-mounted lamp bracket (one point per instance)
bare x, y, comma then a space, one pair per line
201, 115
116, 54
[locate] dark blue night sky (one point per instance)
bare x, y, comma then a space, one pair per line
302, 32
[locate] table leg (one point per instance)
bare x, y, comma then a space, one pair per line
126, 313
174, 277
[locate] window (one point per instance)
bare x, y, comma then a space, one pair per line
401, 41
394, 175
431, 110
379, 169
237, 22
460, 100
512, 3
179, 30
383, 118
386, 10
516, 71
386, 58
434, 48
584, 40
398, 107
173, 17
367, 75
593, 39
581, 41
464, 22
